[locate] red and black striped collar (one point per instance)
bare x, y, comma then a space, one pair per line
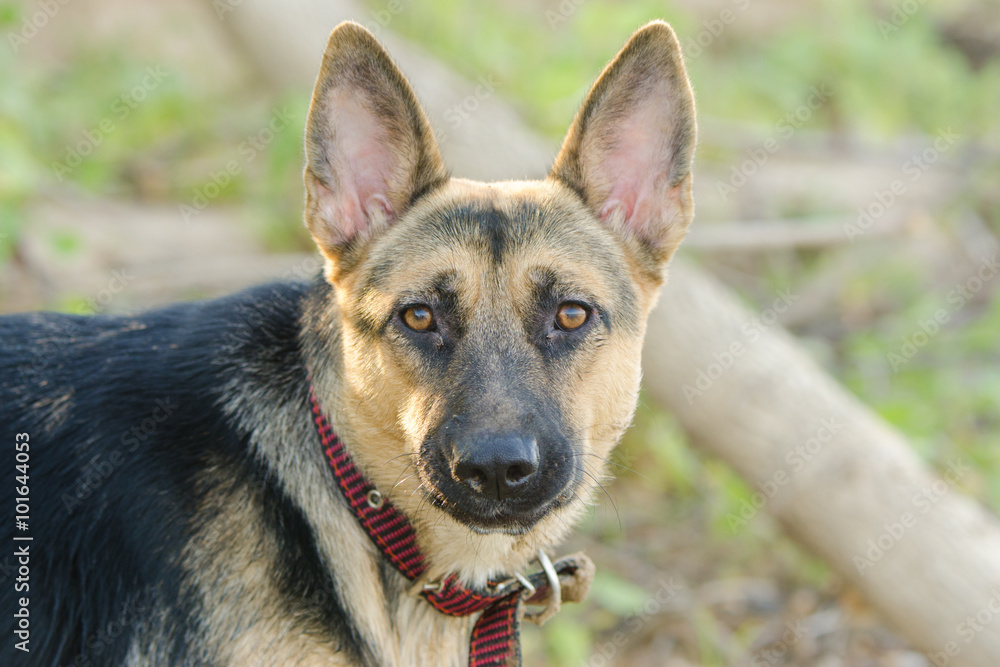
496, 635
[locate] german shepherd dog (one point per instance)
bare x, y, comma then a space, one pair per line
188, 477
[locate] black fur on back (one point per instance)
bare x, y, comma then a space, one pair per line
125, 417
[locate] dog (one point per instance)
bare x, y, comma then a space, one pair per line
358, 469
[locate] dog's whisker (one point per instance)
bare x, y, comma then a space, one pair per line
619, 465
401, 481
605, 490
399, 456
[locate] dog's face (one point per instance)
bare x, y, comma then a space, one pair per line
491, 333
500, 326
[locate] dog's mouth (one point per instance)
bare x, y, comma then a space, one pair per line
486, 518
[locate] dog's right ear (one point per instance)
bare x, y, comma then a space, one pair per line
370, 151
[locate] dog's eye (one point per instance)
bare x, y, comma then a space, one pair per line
571, 316
419, 318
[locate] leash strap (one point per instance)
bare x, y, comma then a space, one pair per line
496, 635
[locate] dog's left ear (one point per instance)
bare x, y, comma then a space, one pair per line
370, 150
629, 150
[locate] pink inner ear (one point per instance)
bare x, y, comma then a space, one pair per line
633, 168
365, 168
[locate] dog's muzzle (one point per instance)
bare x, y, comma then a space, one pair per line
498, 480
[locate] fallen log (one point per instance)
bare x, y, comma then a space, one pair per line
839, 479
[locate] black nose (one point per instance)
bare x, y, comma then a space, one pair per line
496, 466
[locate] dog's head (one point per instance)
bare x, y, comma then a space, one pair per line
491, 333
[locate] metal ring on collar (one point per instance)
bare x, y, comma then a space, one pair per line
554, 601
375, 499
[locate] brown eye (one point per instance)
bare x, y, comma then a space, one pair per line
418, 318
571, 316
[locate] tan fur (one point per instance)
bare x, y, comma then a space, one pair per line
243, 623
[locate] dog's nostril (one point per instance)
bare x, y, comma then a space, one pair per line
477, 481
471, 475
518, 472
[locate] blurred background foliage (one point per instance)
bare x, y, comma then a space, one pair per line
896, 79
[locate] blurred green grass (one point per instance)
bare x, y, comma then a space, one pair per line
92, 124
545, 64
